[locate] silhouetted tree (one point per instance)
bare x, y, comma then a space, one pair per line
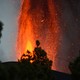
36, 67
2, 70
39, 68
75, 68
39, 56
1, 27
37, 43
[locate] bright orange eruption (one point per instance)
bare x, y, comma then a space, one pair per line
25, 35
29, 46
38, 20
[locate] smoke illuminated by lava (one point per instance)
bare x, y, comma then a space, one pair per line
38, 20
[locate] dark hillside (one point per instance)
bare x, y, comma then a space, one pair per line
12, 70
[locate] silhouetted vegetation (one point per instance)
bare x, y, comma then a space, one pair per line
29, 67
39, 57
36, 67
1, 27
75, 68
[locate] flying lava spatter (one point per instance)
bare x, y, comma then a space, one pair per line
38, 20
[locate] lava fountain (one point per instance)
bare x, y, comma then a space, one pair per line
38, 20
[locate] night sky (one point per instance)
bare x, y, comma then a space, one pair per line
9, 11
68, 12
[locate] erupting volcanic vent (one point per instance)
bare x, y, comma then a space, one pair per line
38, 20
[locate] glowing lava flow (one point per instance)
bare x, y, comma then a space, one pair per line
38, 20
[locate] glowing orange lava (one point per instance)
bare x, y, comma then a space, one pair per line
25, 35
38, 20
